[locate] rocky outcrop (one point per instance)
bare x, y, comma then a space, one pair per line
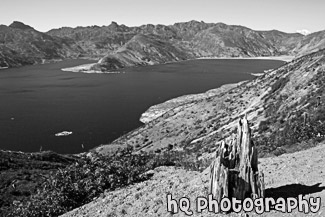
21, 26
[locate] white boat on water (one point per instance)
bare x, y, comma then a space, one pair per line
64, 133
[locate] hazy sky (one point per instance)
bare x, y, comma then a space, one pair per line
284, 15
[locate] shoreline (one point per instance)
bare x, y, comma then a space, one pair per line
85, 68
156, 111
281, 58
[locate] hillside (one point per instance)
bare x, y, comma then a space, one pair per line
311, 43
142, 50
275, 104
285, 176
21, 173
20, 45
121, 46
186, 41
96, 40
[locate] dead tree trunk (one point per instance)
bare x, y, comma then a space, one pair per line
234, 172
305, 118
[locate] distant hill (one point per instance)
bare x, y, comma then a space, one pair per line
193, 39
20, 44
121, 46
143, 50
310, 43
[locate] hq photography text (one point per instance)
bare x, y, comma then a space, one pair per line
259, 205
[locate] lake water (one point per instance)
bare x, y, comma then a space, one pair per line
39, 101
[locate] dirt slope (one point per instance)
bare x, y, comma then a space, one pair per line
285, 176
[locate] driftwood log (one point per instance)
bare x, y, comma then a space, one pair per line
234, 172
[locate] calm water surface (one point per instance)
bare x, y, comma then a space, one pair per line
36, 102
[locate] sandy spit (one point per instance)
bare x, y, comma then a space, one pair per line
282, 58
86, 69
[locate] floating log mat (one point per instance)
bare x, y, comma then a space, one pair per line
234, 172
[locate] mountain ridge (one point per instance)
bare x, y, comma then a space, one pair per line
21, 45
118, 43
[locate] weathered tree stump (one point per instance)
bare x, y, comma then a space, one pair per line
234, 172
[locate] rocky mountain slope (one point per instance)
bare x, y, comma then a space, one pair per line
20, 44
187, 41
96, 40
142, 50
121, 46
311, 43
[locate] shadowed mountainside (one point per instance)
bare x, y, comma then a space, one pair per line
22, 45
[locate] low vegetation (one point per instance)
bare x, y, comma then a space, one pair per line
90, 176
21, 173
294, 136
291, 127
